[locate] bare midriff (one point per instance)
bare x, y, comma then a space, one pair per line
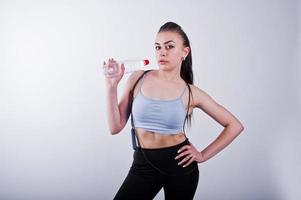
153, 140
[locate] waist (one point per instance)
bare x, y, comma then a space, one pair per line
162, 159
152, 140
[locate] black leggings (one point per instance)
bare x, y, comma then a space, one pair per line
153, 169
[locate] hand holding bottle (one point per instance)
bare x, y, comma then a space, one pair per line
112, 69
113, 72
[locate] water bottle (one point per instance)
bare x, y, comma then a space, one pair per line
130, 65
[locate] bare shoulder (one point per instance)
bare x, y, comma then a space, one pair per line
133, 79
200, 97
135, 75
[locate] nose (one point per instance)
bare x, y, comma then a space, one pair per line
163, 52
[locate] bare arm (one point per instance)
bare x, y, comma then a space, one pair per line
117, 112
232, 128
113, 111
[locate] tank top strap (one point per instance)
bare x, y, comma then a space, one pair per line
183, 91
141, 82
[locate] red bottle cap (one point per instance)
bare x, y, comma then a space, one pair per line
146, 62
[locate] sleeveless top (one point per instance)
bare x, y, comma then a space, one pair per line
160, 116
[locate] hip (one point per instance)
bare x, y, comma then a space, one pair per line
161, 161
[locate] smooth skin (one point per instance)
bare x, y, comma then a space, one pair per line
166, 84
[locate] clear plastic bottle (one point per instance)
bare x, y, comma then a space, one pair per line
130, 65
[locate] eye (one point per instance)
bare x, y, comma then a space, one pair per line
157, 47
169, 46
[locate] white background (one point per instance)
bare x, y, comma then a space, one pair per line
54, 138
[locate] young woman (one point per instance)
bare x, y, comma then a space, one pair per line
161, 103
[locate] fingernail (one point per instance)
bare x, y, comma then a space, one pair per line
184, 165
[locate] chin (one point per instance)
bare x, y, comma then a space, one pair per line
165, 67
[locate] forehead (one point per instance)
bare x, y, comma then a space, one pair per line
167, 36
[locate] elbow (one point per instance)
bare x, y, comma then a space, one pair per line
114, 131
236, 128
115, 128
239, 128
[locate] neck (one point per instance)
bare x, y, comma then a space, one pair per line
172, 75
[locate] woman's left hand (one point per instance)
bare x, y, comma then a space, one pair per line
190, 154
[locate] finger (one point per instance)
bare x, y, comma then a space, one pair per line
122, 68
182, 154
185, 159
189, 162
104, 65
111, 60
183, 148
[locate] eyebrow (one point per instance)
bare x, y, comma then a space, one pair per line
165, 42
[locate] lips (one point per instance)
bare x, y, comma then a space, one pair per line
162, 61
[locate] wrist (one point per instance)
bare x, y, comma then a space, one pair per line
112, 86
202, 157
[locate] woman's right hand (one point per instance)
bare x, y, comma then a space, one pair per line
113, 79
